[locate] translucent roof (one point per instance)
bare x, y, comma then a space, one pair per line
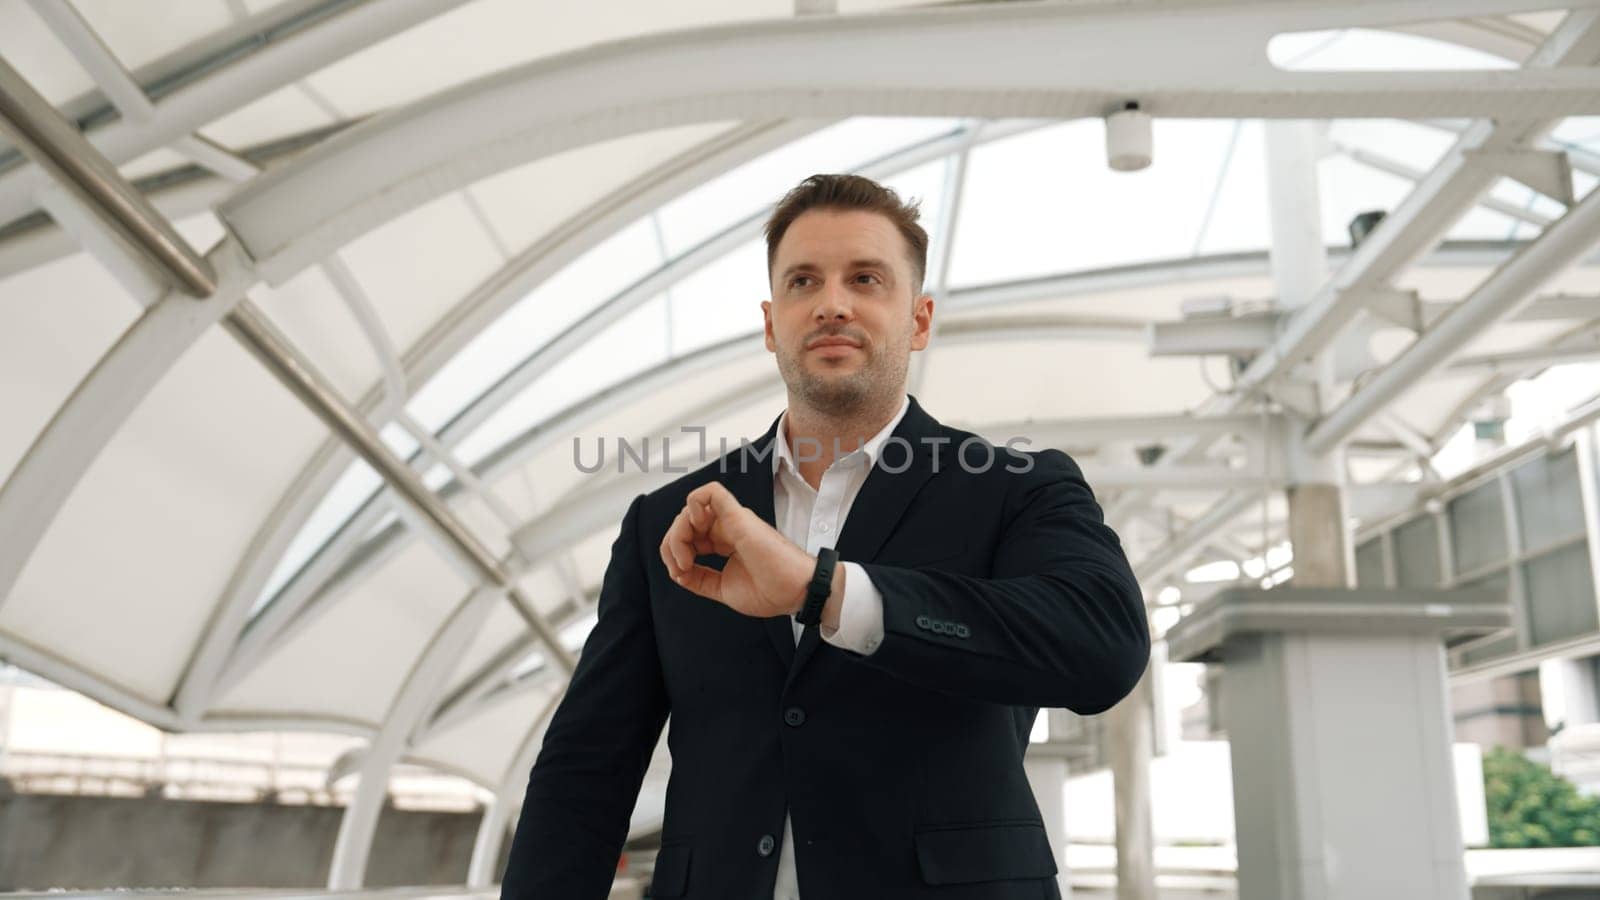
217, 559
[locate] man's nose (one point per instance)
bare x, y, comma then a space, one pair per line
835, 303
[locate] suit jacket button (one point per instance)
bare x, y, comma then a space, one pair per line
795, 716
765, 845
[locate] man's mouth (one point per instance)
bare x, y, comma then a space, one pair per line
837, 344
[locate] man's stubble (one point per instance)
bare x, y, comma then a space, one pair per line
880, 379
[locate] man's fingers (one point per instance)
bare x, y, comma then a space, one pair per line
703, 580
715, 495
678, 547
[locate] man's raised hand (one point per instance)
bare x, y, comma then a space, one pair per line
766, 574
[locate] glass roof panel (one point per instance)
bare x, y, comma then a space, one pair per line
1234, 221
354, 487
1365, 49
1046, 202
757, 185
633, 344
1550, 398
926, 184
719, 301
601, 273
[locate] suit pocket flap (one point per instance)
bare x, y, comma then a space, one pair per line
671, 877
984, 852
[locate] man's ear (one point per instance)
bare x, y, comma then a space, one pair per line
922, 316
766, 325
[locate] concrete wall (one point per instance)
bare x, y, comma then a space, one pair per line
1500, 712
88, 843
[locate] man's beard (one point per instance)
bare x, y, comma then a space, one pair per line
842, 395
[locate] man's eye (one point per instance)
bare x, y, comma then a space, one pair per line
867, 278
800, 281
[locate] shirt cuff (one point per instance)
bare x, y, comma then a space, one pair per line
860, 613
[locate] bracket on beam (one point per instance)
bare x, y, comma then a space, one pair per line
1547, 171
1214, 336
1299, 396
1403, 308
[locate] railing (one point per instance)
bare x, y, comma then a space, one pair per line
181, 777
624, 889
1211, 870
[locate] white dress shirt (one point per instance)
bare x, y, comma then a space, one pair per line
813, 519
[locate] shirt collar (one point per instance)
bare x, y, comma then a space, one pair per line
783, 455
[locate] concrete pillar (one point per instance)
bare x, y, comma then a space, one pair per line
1340, 736
1130, 739
1318, 535
1299, 270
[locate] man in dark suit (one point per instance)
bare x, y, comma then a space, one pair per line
849, 729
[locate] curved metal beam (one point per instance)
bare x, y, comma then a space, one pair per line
1502, 294
331, 574
498, 293
313, 593
87, 421
278, 61
427, 356
508, 795
1061, 61
359, 822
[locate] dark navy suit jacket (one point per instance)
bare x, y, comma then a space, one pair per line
1003, 591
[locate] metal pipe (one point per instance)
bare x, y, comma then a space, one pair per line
263, 340
300, 42
252, 329
57, 147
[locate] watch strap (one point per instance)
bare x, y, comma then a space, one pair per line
821, 587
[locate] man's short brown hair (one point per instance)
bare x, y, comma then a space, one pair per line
851, 192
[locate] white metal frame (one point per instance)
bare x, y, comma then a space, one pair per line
300, 214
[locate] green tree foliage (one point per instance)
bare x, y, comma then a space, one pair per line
1530, 806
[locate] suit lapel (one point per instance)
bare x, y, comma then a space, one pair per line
749, 479
877, 509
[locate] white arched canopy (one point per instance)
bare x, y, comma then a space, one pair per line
550, 230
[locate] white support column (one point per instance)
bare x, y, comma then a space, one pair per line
1343, 782
1299, 269
1047, 768
1047, 775
1294, 204
1587, 447
486, 845
1130, 742
498, 821
359, 823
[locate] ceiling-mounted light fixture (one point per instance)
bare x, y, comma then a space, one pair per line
1128, 140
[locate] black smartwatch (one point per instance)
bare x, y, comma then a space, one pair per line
819, 589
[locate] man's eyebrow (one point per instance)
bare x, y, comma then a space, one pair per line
866, 263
